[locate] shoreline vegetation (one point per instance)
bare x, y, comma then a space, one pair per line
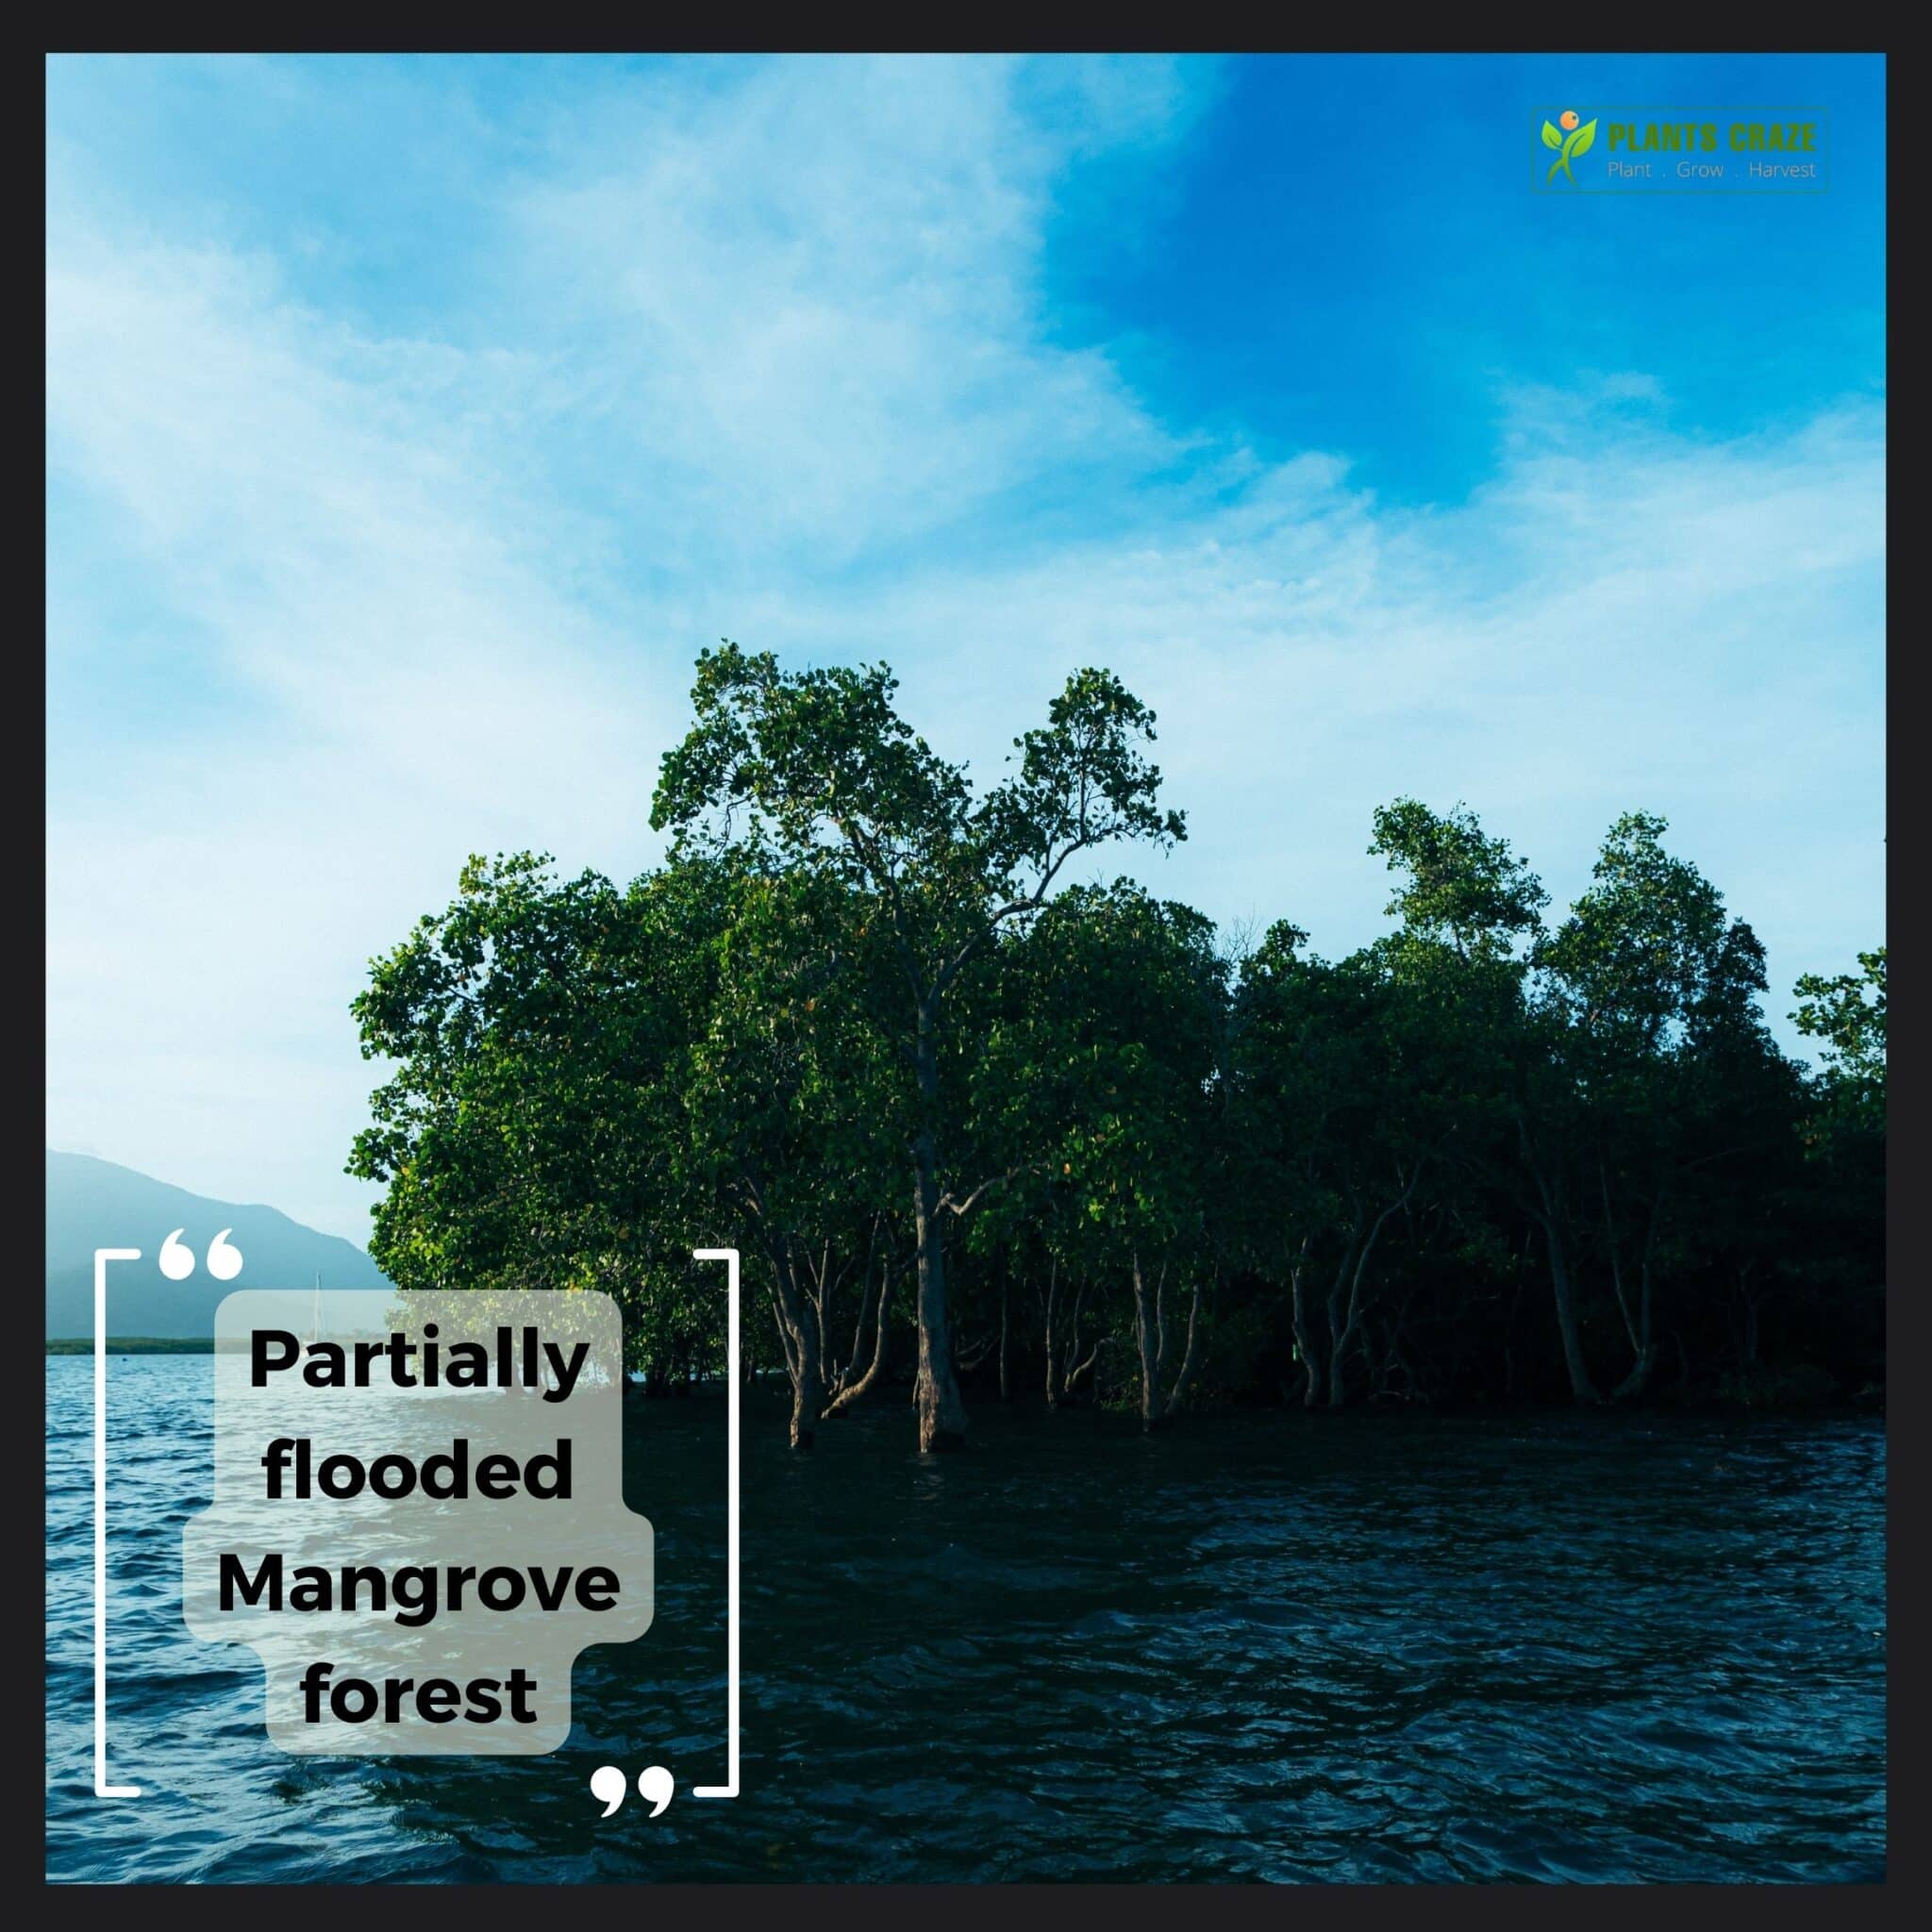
983, 1122
134, 1344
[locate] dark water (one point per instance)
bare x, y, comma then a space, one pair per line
1263, 1647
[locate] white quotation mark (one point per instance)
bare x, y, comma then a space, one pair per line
608, 1784
178, 1259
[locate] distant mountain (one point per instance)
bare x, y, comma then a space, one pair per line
94, 1203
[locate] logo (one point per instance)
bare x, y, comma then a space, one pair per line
1667, 150
1572, 141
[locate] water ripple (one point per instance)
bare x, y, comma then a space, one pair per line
1262, 1647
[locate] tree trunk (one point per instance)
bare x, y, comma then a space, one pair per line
798, 1332
1338, 1327
1581, 1387
1643, 1345
1075, 1366
1071, 1365
1304, 1333
941, 1414
1747, 1345
1006, 1283
853, 1391
1053, 1362
1338, 1387
1178, 1388
1549, 1218
1638, 1379
1149, 1343
1160, 1397
808, 1390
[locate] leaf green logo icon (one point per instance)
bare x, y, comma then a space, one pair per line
1578, 140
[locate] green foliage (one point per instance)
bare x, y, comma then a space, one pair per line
1096, 1084
857, 1023
1846, 1014
1459, 887
820, 763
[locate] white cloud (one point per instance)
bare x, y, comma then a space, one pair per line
773, 360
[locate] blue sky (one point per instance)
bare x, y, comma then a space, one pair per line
412, 424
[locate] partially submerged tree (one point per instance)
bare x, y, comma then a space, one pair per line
1469, 906
1098, 1087
820, 763
1655, 988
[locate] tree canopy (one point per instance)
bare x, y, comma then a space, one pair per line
980, 1127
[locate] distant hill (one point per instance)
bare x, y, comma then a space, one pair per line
94, 1203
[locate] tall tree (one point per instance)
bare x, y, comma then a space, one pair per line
1655, 988
820, 763
1098, 1087
1471, 910
1342, 1106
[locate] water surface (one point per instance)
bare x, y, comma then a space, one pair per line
1263, 1646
